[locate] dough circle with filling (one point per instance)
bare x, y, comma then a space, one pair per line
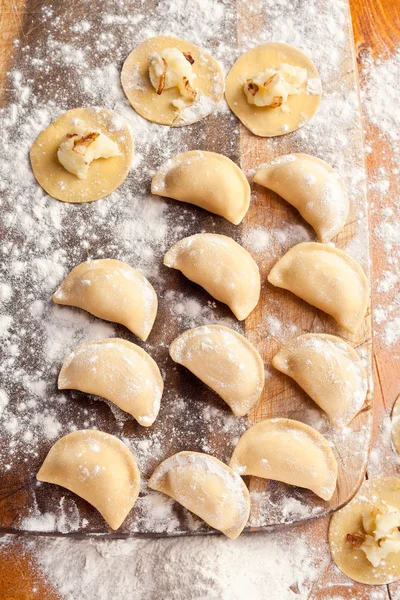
105, 175
263, 120
209, 83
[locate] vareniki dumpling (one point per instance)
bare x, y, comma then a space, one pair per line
207, 487
329, 371
221, 266
327, 278
99, 468
289, 451
119, 371
207, 179
225, 361
311, 186
111, 290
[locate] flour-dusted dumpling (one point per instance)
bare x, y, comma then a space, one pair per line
311, 186
207, 179
327, 278
273, 89
118, 371
111, 290
99, 468
396, 424
225, 361
84, 155
288, 451
172, 82
221, 266
329, 370
364, 536
207, 487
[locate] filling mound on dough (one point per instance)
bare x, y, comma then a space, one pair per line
173, 68
272, 87
380, 535
77, 150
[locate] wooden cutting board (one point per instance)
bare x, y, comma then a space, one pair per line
278, 316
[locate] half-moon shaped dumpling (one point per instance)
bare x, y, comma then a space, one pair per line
170, 81
84, 155
206, 179
221, 266
118, 371
207, 487
99, 468
327, 278
311, 186
329, 370
111, 290
225, 361
288, 451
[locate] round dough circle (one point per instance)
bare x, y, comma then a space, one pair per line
353, 562
141, 94
104, 176
264, 121
396, 424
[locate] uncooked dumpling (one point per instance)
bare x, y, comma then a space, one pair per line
221, 266
84, 155
99, 468
172, 82
225, 361
273, 89
311, 186
111, 290
207, 487
364, 536
327, 278
329, 370
288, 451
118, 371
207, 179
396, 424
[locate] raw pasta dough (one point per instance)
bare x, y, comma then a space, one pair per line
225, 361
104, 175
374, 494
99, 468
111, 290
311, 186
207, 487
118, 371
396, 424
207, 179
266, 121
327, 278
288, 451
221, 266
329, 370
209, 83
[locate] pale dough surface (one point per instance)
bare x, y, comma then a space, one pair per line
396, 424
209, 83
264, 121
225, 361
99, 468
313, 187
207, 487
119, 371
329, 371
105, 174
206, 179
352, 561
327, 278
289, 451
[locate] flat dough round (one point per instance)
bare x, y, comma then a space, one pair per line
396, 424
104, 176
265, 121
351, 561
209, 83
